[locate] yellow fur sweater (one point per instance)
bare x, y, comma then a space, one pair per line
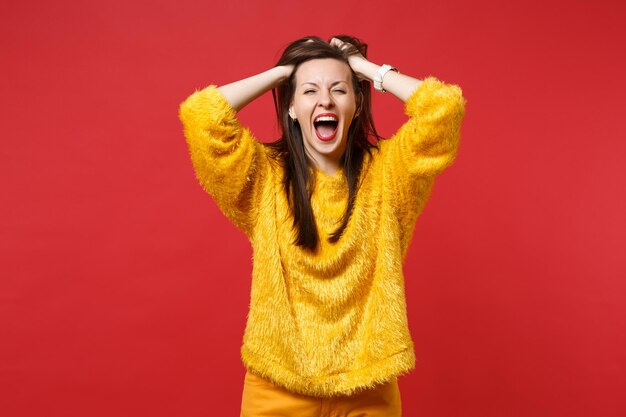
332, 321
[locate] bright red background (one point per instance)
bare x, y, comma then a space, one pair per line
124, 291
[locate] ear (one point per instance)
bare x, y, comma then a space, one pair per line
292, 113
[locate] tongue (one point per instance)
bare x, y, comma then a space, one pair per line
325, 130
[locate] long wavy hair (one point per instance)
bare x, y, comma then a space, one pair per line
290, 150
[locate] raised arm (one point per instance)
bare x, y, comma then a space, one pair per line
427, 143
229, 163
239, 93
400, 85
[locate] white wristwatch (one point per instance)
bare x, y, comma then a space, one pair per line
378, 78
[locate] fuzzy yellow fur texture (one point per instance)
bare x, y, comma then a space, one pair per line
333, 321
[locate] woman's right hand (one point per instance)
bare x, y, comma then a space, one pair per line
286, 72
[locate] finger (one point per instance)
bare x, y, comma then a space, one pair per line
336, 42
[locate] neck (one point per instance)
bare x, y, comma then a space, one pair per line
327, 166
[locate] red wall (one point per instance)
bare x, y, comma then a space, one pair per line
124, 292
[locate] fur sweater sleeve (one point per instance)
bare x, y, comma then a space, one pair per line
422, 148
229, 163
428, 142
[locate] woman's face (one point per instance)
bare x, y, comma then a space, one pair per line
324, 103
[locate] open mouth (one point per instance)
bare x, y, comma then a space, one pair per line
326, 126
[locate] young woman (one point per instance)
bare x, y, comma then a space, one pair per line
330, 212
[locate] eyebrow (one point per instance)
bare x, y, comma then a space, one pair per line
332, 85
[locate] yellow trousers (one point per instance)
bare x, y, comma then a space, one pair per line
261, 398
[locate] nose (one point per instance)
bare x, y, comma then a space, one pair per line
326, 100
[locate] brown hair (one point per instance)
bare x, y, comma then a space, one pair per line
290, 151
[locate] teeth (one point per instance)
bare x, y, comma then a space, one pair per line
326, 119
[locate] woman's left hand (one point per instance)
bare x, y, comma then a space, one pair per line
400, 85
355, 58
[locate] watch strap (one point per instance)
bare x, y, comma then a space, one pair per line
380, 75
